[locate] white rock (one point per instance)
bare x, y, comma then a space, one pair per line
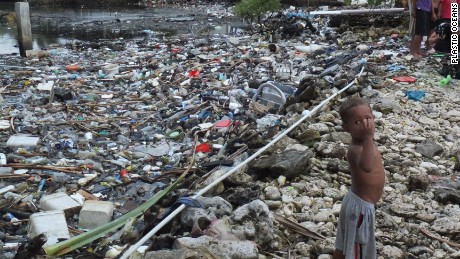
408, 150
388, 189
377, 114
272, 193
288, 210
219, 248
303, 249
428, 122
413, 170
336, 209
428, 165
410, 145
298, 147
401, 136
455, 255
288, 194
438, 253
452, 115
333, 193
392, 252
321, 127
324, 216
399, 178
446, 225
395, 148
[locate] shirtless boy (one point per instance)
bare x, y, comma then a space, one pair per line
355, 230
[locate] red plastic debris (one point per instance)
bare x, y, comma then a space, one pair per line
405, 79
193, 73
223, 123
124, 175
175, 50
203, 147
72, 67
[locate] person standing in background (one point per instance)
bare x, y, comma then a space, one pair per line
444, 10
421, 10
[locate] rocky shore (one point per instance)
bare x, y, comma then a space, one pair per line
119, 120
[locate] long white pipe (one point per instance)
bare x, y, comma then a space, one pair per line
152, 232
359, 11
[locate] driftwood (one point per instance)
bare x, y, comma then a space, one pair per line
431, 235
71, 170
19, 221
8, 176
297, 228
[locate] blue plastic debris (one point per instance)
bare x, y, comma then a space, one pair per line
395, 68
64, 144
182, 200
415, 95
294, 14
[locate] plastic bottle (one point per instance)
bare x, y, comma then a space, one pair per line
445, 80
12, 218
2, 159
41, 185
60, 178
37, 160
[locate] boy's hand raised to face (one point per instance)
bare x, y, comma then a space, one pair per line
367, 128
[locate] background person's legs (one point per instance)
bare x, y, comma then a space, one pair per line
415, 46
422, 23
411, 21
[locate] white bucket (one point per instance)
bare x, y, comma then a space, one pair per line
111, 70
51, 223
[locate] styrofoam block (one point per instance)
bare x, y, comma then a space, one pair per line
95, 213
50, 223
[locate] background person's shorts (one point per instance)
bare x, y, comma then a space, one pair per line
422, 22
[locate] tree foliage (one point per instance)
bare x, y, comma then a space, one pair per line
251, 9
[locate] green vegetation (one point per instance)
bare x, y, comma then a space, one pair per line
252, 9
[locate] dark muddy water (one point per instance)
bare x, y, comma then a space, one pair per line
61, 25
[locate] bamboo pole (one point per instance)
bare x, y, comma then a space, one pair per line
358, 11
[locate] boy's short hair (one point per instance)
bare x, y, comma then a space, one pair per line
349, 103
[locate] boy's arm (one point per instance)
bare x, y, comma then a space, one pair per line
366, 158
